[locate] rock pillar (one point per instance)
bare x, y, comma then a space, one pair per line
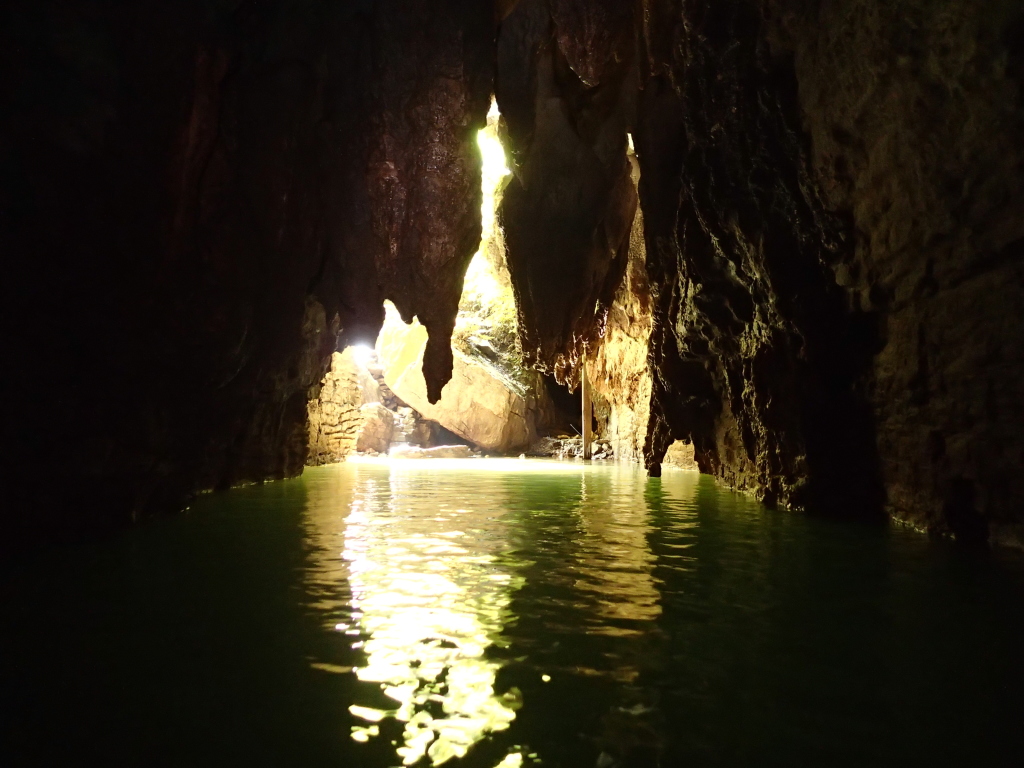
588, 436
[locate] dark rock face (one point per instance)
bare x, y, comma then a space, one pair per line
830, 190
914, 114
565, 86
832, 203
433, 81
196, 200
758, 354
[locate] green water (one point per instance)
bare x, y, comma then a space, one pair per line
509, 613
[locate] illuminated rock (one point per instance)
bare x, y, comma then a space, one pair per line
479, 404
680, 455
377, 428
334, 414
618, 369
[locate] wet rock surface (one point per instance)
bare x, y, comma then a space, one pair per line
822, 219
564, 87
617, 365
437, 452
680, 456
923, 149
827, 190
571, 448
376, 430
356, 413
756, 351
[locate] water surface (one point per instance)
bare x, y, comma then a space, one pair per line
505, 613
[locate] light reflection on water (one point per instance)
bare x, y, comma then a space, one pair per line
430, 601
522, 613
426, 556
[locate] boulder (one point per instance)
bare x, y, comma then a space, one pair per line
479, 404
378, 425
335, 415
680, 455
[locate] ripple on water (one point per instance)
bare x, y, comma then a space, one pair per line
509, 613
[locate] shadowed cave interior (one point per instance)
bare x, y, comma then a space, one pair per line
202, 203
778, 241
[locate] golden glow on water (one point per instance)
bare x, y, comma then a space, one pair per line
430, 602
473, 465
426, 551
615, 564
637, 621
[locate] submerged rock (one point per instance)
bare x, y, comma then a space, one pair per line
437, 452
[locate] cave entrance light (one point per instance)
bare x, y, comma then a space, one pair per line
487, 288
479, 403
362, 352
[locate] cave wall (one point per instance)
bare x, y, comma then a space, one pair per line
333, 415
198, 202
914, 118
757, 352
617, 363
565, 85
833, 196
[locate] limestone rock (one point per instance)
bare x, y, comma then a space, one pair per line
833, 210
568, 208
478, 403
378, 423
334, 414
437, 452
680, 455
567, 448
369, 389
618, 369
835, 249
208, 194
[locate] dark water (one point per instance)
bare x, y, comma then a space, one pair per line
510, 613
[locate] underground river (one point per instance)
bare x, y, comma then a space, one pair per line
501, 612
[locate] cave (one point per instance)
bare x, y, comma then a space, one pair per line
741, 284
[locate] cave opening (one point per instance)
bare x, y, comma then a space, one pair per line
374, 402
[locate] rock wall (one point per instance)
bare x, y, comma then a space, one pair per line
564, 89
196, 199
913, 114
757, 351
830, 189
680, 455
334, 420
618, 369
